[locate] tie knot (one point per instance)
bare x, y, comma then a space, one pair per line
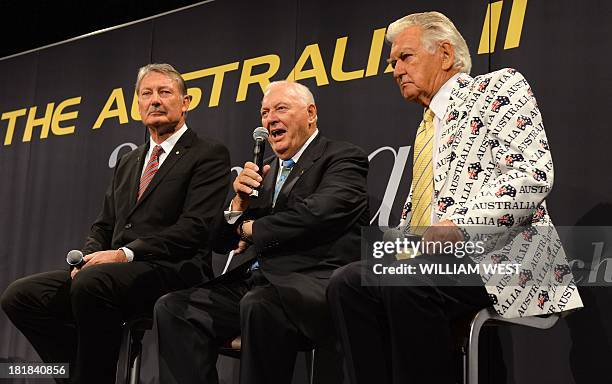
428, 116
288, 163
157, 150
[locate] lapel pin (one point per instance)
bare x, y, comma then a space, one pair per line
177, 152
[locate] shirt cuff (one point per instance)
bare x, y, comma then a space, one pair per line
231, 216
129, 254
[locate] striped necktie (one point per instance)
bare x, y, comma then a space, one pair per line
150, 170
422, 175
285, 170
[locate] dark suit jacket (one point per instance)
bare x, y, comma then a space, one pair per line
314, 228
171, 225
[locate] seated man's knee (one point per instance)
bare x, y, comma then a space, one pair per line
35, 294
88, 285
345, 277
256, 302
248, 301
13, 297
169, 306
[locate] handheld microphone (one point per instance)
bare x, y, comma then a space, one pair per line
260, 135
395, 235
74, 258
392, 234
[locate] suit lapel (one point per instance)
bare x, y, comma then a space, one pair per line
178, 151
269, 183
451, 122
310, 155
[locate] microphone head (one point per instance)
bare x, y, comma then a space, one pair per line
260, 133
392, 234
74, 257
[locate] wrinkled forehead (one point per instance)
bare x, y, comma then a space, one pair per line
159, 79
408, 39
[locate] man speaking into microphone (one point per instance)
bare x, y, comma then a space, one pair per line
305, 223
151, 237
260, 135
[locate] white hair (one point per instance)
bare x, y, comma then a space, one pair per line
436, 28
300, 90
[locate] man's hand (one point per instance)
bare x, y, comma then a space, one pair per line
244, 184
101, 257
242, 246
443, 231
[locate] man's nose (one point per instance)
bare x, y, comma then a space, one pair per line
270, 120
155, 99
398, 70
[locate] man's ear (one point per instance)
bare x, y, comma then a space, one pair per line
186, 102
312, 113
448, 55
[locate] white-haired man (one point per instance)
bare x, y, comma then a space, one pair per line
481, 167
305, 224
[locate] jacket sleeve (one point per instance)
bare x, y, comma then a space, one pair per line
523, 170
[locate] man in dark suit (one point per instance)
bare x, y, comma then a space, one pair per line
151, 237
287, 244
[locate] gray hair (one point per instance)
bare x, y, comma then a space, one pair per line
300, 90
436, 28
165, 69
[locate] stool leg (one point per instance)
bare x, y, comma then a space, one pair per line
472, 358
473, 341
310, 360
135, 371
135, 357
123, 362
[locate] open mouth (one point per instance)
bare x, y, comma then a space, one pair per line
278, 133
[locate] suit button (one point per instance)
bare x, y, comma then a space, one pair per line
128, 226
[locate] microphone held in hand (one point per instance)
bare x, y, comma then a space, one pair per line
392, 234
260, 135
405, 243
75, 259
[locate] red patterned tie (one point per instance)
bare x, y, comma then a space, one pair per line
150, 170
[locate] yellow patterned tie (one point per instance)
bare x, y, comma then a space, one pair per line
422, 175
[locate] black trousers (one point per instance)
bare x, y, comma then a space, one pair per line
192, 324
400, 333
79, 321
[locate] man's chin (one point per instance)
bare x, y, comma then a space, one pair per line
279, 151
155, 122
162, 126
408, 96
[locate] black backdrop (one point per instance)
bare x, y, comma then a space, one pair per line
52, 183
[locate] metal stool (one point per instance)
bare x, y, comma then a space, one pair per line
233, 348
489, 317
128, 364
